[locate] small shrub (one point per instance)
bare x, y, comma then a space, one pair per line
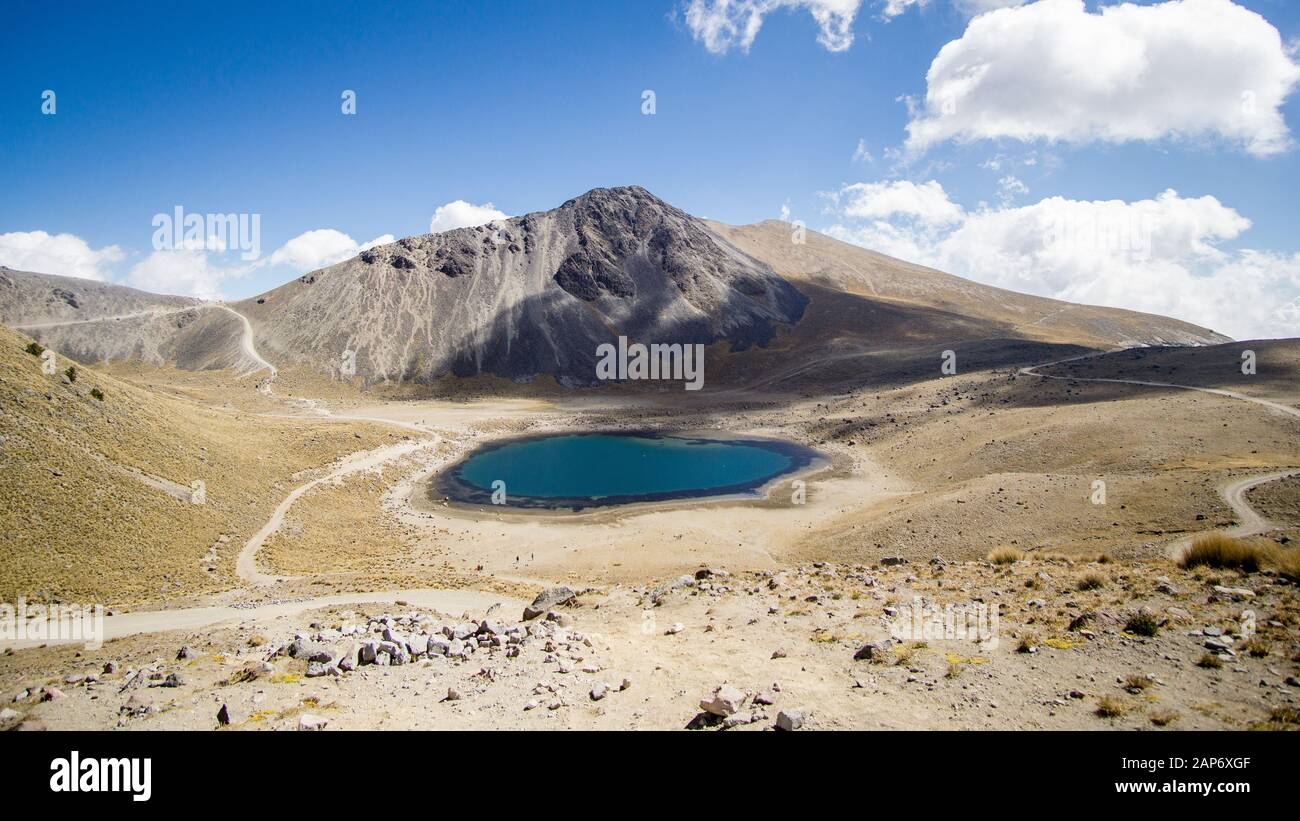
1136, 684
954, 670
1142, 624
1210, 661
1111, 708
71, 373
1092, 581
1028, 643
1287, 562
97, 393
1257, 647
34, 349
1164, 718
1221, 551
1005, 555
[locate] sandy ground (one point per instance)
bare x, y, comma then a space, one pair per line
950, 468
623, 658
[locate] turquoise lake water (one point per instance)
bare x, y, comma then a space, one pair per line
592, 469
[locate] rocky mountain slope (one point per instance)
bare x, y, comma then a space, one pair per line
841, 266
535, 296
38, 300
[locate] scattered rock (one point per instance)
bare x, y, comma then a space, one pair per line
547, 599
137, 705
725, 701
872, 651
1237, 593
789, 720
307, 651
311, 722
31, 725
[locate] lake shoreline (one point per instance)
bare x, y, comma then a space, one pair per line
449, 487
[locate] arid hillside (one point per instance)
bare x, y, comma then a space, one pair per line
530, 299
840, 266
97, 502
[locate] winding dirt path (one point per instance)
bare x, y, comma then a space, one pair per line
249, 346
1250, 521
246, 563
62, 323
447, 601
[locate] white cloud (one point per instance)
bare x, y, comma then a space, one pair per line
722, 25
1010, 187
973, 7
893, 8
63, 254
186, 271
1191, 69
1158, 255
195, 270
862, 153
970, 8
461, 214
927, 203
320, 248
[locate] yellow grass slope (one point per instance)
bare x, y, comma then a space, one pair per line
95, 503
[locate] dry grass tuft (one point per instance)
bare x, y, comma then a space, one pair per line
1247, 555
1005, 555
1111, 708
1286, 561
1092, 581
1164, 718
1221, 551
1210, 661
1257, 647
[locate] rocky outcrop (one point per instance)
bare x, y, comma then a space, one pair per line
533, 296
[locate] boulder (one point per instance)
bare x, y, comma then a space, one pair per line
872, 651
547, 599
789, 720
725, 701
309, 651
311, 722
369, 650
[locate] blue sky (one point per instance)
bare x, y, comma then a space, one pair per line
235, 108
